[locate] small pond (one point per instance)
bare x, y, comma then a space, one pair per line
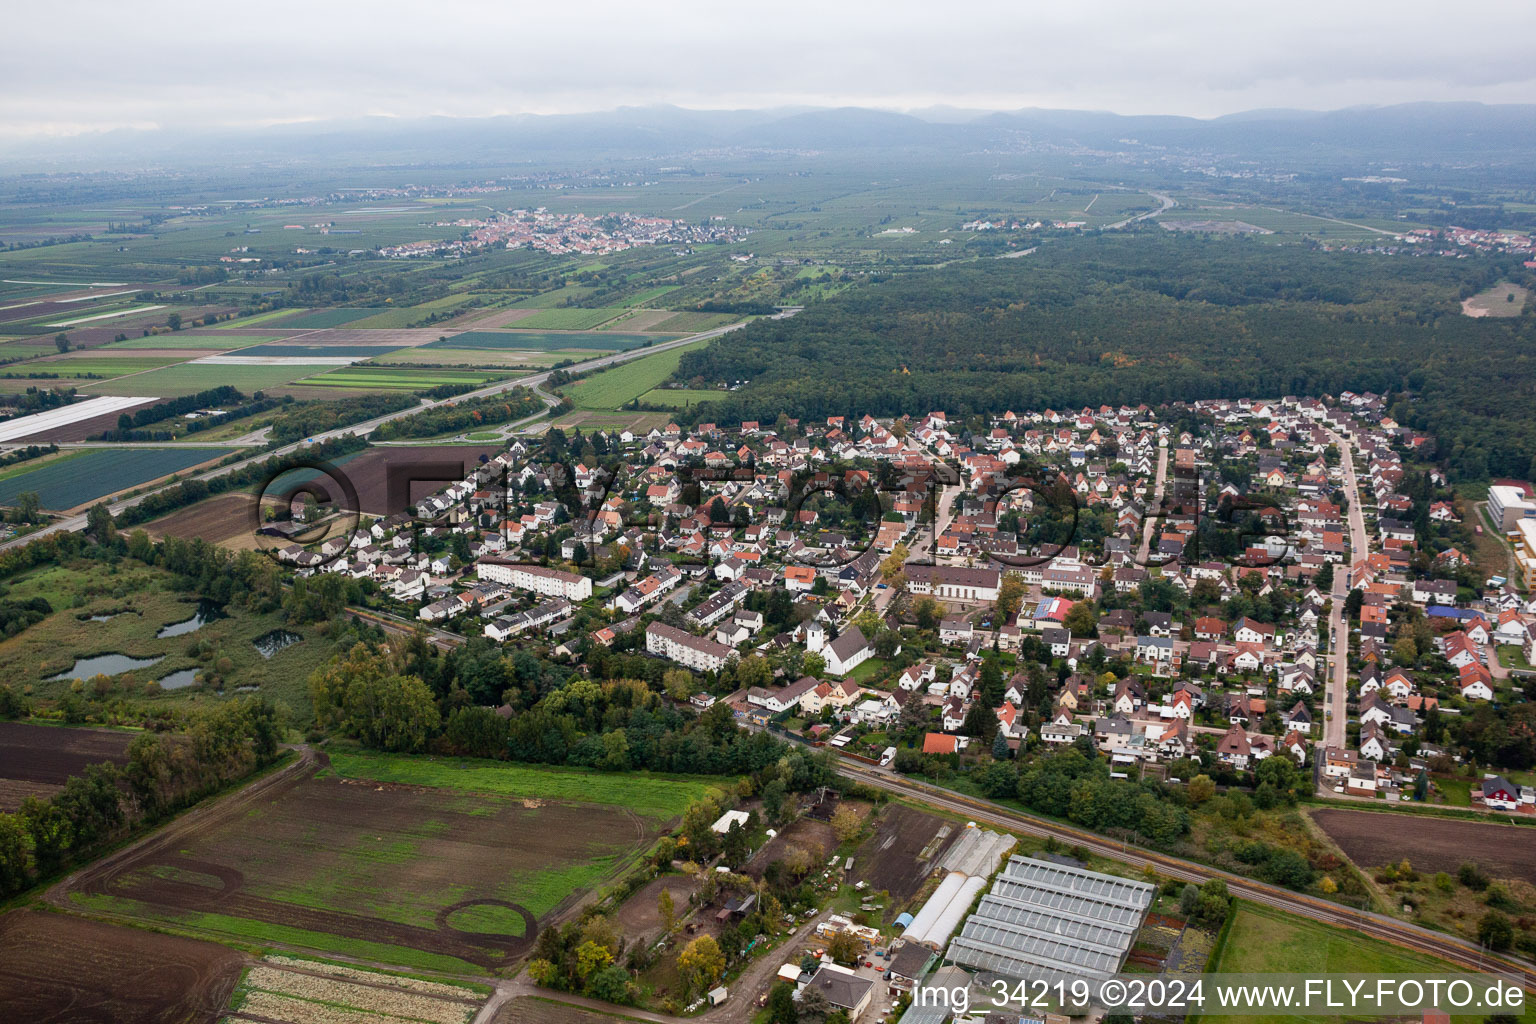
269, 644
206, 612
105, 664
178, 680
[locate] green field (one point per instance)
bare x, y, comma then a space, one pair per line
473, 357
650, 295
401, 839
317, 351
190, 378
91, 473
184, 340
568, 319
692, 323
609, 389
1263, 940
543, 340
95, 366
680, 398
399, 378
655, 796
333, 317
252, 321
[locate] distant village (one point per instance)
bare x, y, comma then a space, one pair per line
569, 233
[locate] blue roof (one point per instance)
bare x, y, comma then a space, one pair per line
902, 920
1445, 611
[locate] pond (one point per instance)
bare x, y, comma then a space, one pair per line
269, 644
109, 616
105, 664
178, 680
206, 612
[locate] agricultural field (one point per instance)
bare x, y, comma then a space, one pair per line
611, 388
330, 317
679, 398
544, 340
486, 357
258, 319
222, 519
315, 351
61, 969
906, 846
569, 319
399, 378
1264, 940
133, 603
1503, 299
36, 760
85, 475
190, 378
1372, 838
415, 862
692, 323
182, 339
294, 990
92, 365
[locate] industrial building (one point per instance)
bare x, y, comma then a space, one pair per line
1046, 919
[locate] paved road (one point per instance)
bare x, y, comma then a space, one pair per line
1145, 551
1168, 203
1337, 684
76, 523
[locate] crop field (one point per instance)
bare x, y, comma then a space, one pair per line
190, 378
36, 760
61, 969
680, 398
259, 318
544, 340
649, 295
399, 378
331, 317
569, 319
1372, 839
181, 339
93, 473
224, 517
406, 861
692, 323
611, 388
315, 351
1264, 940
291, 990
94, 365
424, 356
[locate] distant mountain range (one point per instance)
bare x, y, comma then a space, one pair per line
1414, 134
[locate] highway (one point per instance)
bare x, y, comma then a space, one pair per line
363, 429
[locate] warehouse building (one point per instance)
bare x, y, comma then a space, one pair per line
1044, 919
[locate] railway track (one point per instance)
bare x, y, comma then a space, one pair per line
1409, 936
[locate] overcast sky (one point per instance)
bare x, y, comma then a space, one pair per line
72, 66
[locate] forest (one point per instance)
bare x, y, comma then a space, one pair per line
1154, 318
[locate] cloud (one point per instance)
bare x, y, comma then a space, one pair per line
74, 66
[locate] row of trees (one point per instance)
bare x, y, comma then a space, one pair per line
163, 773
